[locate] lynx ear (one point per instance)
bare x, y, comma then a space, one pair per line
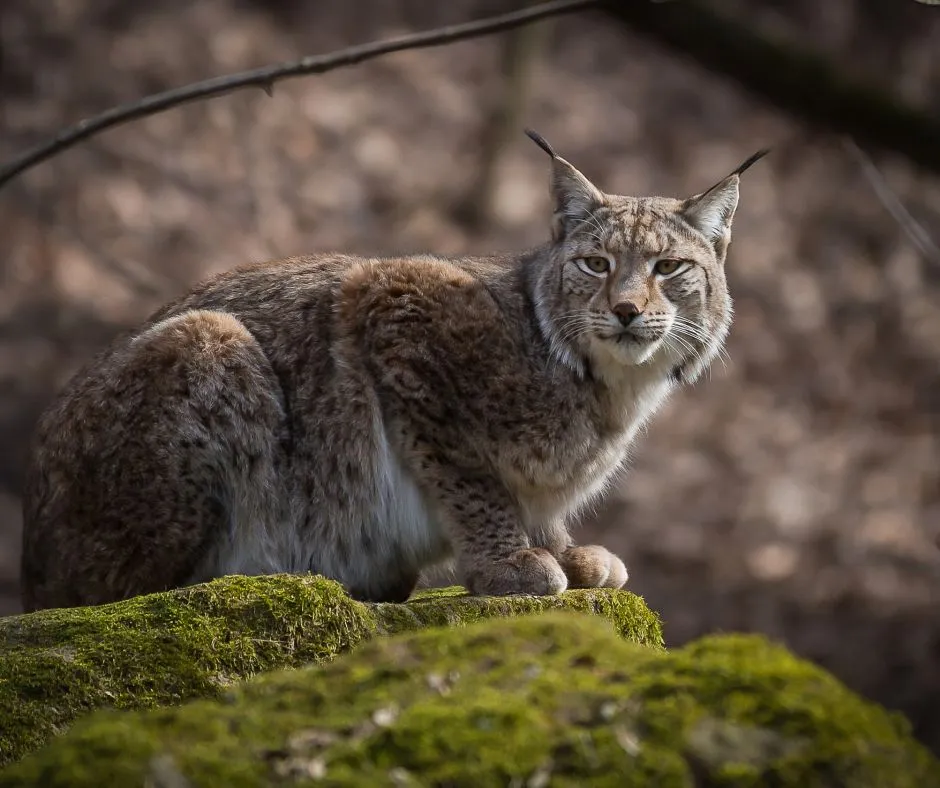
712, 211
574, 197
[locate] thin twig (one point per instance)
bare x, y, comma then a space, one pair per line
266, 76
917, 235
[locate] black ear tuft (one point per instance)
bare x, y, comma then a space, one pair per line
539, 140
753, 160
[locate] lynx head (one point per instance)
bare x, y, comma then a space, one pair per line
636, 281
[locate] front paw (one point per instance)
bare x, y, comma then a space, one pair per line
593, 566
531, 571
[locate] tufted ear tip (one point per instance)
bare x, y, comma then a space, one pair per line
712, 211
574, 197
752, 160
539, 140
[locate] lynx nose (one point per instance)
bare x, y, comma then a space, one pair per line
626, 311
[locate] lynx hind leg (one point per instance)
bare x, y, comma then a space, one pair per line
225, 430
162, 447
593, 566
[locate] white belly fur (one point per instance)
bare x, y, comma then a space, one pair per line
392, 518
402, 527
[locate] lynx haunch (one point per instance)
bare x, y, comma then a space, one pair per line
366, 418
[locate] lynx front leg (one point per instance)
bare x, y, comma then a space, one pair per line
494, 554
592, 566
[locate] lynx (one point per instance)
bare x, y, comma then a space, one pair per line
366, 418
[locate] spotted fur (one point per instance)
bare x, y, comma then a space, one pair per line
365, 418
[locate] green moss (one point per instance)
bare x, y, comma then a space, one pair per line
553, 700
163, 649
453, 606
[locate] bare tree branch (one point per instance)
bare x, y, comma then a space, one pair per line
266, 76
914, 231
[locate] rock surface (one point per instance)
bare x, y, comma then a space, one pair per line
163, 649
551, 700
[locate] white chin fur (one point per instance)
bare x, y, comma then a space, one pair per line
633, 354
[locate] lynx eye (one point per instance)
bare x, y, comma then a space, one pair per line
594, 265
666, 267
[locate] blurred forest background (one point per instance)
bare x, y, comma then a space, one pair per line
796, 492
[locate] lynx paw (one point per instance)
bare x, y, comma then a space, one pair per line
593, 566
533, 571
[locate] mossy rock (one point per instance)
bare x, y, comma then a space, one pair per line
162, 649
550, 700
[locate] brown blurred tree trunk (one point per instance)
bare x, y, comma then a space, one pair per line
795, 79
520, 54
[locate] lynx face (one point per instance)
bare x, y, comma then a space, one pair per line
637, 281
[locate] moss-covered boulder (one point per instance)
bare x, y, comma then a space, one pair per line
166, 648
551, 700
